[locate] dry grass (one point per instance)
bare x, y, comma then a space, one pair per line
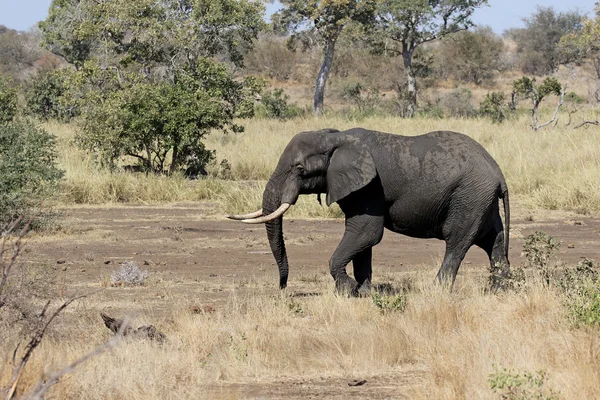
550, 169
451, 342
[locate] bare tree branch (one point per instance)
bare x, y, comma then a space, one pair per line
42, 387
596, 122
36, 339
560, 103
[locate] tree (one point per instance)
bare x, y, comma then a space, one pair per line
578, 46
28, 172
8, 102
528, 88
327, 19
471, 57
403, 25
147, 82
537, 43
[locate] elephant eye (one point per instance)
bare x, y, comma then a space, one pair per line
300, 168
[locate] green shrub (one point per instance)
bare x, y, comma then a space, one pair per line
45, 96
539, 249
494, 106
512, 385
389, 303
8, 102
274, 104
581, 287
28, 174
367, 101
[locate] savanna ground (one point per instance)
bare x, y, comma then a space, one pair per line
231, 333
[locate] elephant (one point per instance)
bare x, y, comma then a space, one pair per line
440, 185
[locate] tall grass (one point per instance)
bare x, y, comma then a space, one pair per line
550, 169
451, 343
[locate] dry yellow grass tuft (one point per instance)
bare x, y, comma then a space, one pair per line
449, 342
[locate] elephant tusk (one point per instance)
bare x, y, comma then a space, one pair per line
240, 217
274, 215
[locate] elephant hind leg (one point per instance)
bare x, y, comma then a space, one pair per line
455, 253
492, 242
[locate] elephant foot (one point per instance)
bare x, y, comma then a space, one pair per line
346, 286
364, 290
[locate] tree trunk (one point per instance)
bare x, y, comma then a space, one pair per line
174, 160
328, 52
271, 201
411, 82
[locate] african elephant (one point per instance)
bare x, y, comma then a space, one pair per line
440, 185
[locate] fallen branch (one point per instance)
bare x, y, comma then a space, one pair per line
144, 332
596, 122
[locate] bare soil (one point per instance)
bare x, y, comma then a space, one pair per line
197, 259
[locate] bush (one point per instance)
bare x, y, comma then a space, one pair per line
457, 104
539, 249
389, 303
494, 106
8, 102
581, 287
160, 123
274, 104
45, 96
367, 102
130, 274
28, 174
525, 385
471, 57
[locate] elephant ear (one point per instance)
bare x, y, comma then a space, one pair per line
351, 168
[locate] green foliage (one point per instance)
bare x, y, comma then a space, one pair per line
539, 249
577, 46
537, 43
151, 120
512, 385
403, 25
147, 83
45, 96
505, 278
151, 33
494, 106
389, 303
28, 172
581, 287
471, 57
8, 102
528, 88
274, 104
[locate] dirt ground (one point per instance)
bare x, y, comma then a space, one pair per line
198, 258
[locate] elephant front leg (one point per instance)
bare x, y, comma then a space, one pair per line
363, 271
362, 233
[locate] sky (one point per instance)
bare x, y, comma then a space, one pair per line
500, 15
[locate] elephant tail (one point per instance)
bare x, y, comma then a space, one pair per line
506, 202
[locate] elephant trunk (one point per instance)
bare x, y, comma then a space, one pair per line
271, 202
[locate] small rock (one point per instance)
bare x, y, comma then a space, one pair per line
212, 275
196, 309
64, 268
578, 223
107, 262
357, 382
61, 261
82, 270
571, 246
146, 262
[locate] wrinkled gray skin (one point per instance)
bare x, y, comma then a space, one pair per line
440, 185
